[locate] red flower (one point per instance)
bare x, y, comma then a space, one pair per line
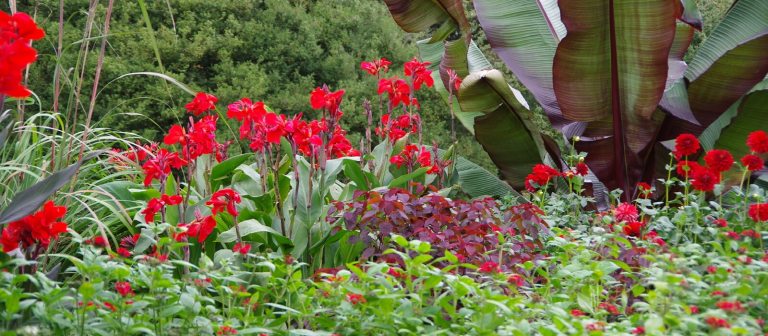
355, 298
156, 205
376, 66
639, 330
730, 306
98, 241
489, 267
419, 73
721, 222
704, 179
124, 252
582, 169
685, 168
516, 279
226, 330
202, 103
577, 313
694, 309
758, 141
732, 235
750, 233
323, 98
160, 166
654, 237
201, 228
224, 199
454, 80
397, 90
16, 32
19, 26
644, 190
711, 269
609, 307
633, 229
541, 175
626, 212
241, 248
758, 212
110, 306
395, 273
685, 145
37, 228
719, 160
716, 322
752, 162
124, 288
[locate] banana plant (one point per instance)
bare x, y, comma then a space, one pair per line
610, 72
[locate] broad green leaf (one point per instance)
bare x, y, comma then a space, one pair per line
505, 129
27, 201
402, 181
477, 181
415, 16
752, 116
222, 171
252, 226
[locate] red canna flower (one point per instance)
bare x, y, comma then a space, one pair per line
19, 26
156, 205
752, 162
324, 99
16, 32
376, 66
241, 248
419, 73
704, 179
124, 288
38, 228
355, 298
201, 228
224, 199
626, 212
397, 90
758, 141
719, 160
202, 103
686, 144
160, 166
758, 212
516, 280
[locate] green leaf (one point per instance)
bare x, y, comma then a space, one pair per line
31, 199
415, 16
222, 172
505, 130
402, 181
477, 181
252, 226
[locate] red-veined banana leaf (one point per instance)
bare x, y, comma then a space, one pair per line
525, 35
610, 70
505, 128
416, 16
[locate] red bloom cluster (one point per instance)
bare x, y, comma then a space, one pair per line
355, 298
633, 229
203, 102
685, 145
716, 322
626, 212
752, 162
258, 126
399, 127
489, 267
124, 288
241, 248
718, 160
609, 307
411, 155
16, 33
759, 212
40, 227
324, 99
159, 167
198, 140
539, 177
156, 205
644, 190
200, 229
758, 142
224, 199
397, 90
226, 330
376, 66
419, 73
